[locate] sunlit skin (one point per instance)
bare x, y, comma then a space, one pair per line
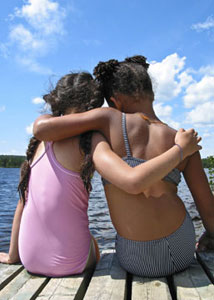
142, 206
157, 211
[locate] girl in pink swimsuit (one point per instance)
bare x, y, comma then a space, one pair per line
54, 238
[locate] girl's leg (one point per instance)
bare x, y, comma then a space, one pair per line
97, 251
93, 255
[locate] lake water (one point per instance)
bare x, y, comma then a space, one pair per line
100, 223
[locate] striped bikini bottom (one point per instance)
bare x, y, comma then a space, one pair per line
160, 257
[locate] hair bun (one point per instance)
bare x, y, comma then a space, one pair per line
138, 59
104, 70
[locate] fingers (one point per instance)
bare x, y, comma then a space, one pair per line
194, 134
191, 130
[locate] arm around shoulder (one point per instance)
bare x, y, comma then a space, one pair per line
131, 180
49, 128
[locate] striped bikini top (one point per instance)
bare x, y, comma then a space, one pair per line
174, 176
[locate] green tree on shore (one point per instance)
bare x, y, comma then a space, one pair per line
15, 161
211, 171
11, 161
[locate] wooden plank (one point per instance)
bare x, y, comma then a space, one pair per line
24, 287
150, 289
8, 272
206, 259
193, 284
108, 281
66, 288
13, 287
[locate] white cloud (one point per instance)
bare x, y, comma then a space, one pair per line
202, 115
207, 70
168, 78
43, 15
33, 65
36, 34
173, 124
199, 92
29, 129
185, 78
208, 24
2, 108
37, 100
25, 40
162, 111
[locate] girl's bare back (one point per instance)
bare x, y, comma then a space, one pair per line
158, 211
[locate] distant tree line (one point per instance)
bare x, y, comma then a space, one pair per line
208, 162
15, 161
11, 161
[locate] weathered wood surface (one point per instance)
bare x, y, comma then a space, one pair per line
24, 286
8, 272
206, 259
109, 282
150, 289
60, 288
66, 288
193, 284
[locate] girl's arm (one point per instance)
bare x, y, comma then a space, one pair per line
136, 180
48, 128
197, 182
13, 255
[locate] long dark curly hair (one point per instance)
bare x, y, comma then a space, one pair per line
80, 92
129, 77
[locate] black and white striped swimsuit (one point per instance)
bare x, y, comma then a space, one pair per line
174, 176
161, 257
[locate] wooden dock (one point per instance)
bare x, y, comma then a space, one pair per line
110, 281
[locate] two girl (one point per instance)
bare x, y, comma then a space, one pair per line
155, 235
50, 231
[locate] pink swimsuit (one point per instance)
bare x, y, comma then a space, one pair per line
54, 237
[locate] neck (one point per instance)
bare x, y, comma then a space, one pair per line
144, 106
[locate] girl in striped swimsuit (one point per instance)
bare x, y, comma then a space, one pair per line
155, 235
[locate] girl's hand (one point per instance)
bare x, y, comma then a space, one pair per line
6, 259
188, 140
206, 242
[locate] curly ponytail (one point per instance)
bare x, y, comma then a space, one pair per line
138, 59
87, 167
25, 168
129, 77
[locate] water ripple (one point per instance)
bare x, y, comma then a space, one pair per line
99, 220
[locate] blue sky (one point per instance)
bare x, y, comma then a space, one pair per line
41, 40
